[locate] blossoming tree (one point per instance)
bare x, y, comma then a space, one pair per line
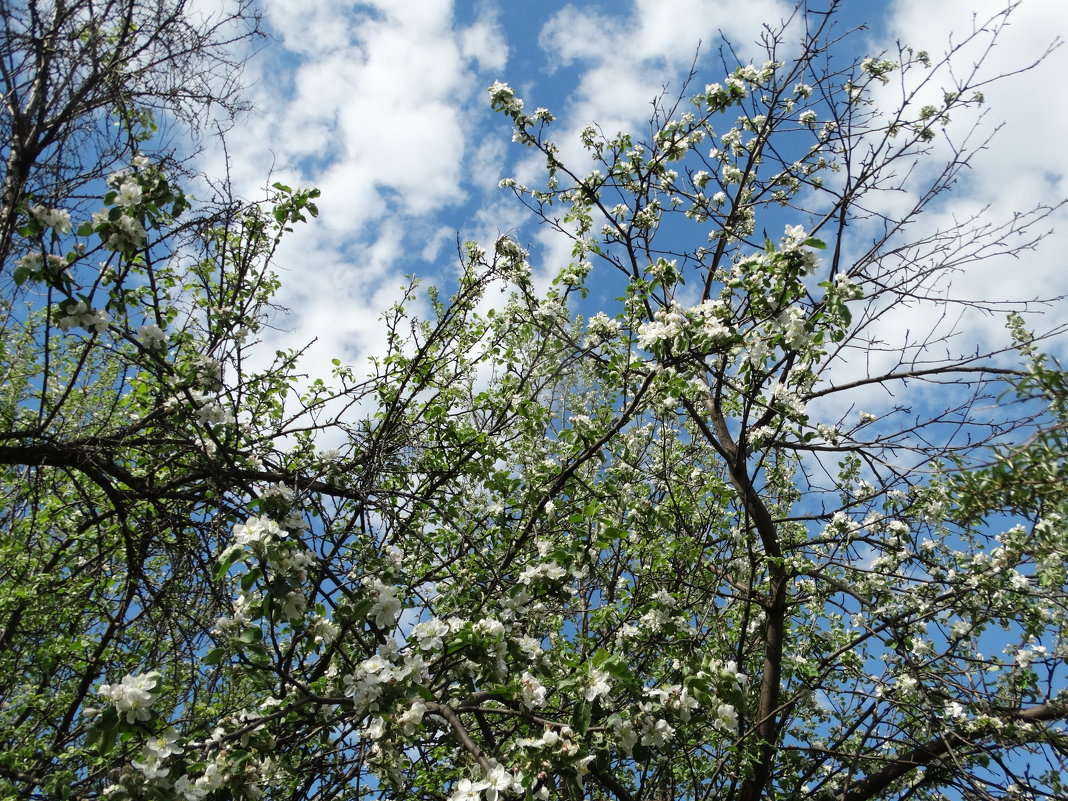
649, 551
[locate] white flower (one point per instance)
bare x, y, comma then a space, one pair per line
794, 237
387, 606
294, 605
656, 734
257, 530
277, 489
490, 627
188, 789
80, 314
668, 324
212, 780
151, 336
376, 729
57, 219
503, 96
129, 193
295, 521
363, 689
132, 696
954, 711
530, 646
598, 685
210, 411
758, 350
533, 691
827, 433
126, 232
151, 769
550, 570
727, 718
628, 736
682, 702
466, 790
162, 745
795, 332
374, 664
736, 85
500, 780
31, 261
324, 630
413, 717
429, 634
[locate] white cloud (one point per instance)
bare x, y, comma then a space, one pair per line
483, 43
622, 62
376, 104
1021, 166
629, 58
381, 105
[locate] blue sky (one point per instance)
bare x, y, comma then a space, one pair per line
383, 106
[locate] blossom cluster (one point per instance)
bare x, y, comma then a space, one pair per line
56, 219
705, 326
368, 681
35, 262
155, 751
498, 781
152, 336
132, 697
121, 232
601, 328
80, 314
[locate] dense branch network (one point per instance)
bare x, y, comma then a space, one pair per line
672, 548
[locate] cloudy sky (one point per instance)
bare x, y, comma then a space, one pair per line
383, 106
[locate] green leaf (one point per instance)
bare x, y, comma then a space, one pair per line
230, 558
618, 668
580, 720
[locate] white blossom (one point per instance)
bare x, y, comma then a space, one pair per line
412, 718
56, 219
466, 790
598, 685
656, 732
727, 718
82, 315
132, 697
532, 691
386, 607
430, 633
129, 193
151, 336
